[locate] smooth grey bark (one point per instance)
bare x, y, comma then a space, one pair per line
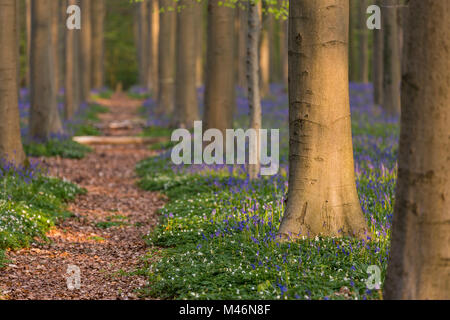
10, 139
322, 200
419, 262
98, 21
86, 48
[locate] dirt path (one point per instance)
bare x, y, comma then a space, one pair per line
101, 254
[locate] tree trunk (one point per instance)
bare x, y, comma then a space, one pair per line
153, 12
28, 29
166, 57
264, 55
378, 65
322, 199
391, 58
86, 48
220, 77
254, 97
363, 43
10, 139
284, 51
242, 48
199, 40
186, 103
143, 44
353, 53
419, 263
44, 117
72, 80
98, 21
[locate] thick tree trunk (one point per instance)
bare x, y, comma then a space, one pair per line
220, 77
166, 58
419, 263
363, 43
186, 103
98, 21
10, 139
322, 199
44, 117
86, 48
153, 12
254, 97
72, 80
391, 58
378, 64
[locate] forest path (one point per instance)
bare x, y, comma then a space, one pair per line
102, 252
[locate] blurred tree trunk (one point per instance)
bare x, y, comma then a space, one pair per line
98, 20
10, 138
166, 56
253, 78
321, 199
419, 262
186, 103
391, 58
143, 42
72, 76
28, 30
18, 18
363, 43
284, 51
153, 13
199, 39
264, 54
86, 48
44, 117
353, 48
220, 77
378, 64
242, 47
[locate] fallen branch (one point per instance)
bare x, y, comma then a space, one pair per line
94, 140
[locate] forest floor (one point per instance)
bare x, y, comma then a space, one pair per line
104, 238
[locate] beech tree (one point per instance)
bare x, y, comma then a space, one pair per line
166, 56
86, 48
419, 262
10, 138
44, 116
97, 64
153, 13
363, 43
377, 70
186, 102
322, 197
391, 57
220, 77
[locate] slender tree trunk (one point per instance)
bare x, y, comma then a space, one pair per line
153, 12
18, 46
284, 51
378, 64
86, 48
419, 263
186, 103
363, 43
254, 97
44, 118
321, 199
28, 29
55, 9
98, 21
220, 77
10, 139
199, 39
143, 44
166, 57
72, 76
353, 44
391, 58
242, 47
264, 56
